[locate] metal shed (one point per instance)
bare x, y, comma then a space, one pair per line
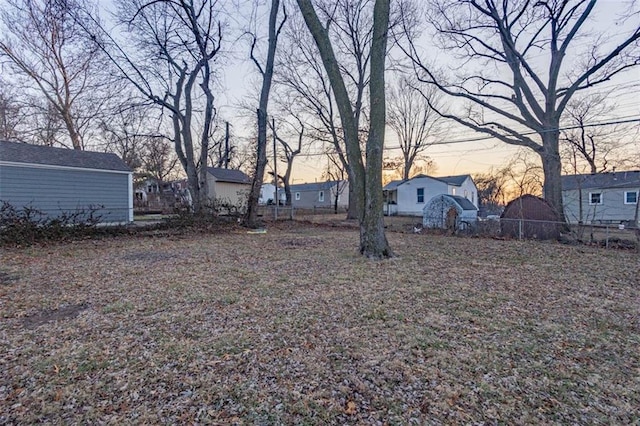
56, 181
530, 217
451, 212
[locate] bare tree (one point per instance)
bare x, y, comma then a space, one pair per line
157, 158
491, 191
266, 73
169, 61
289, 153
44, 45
336, 172
12, 114
413, 119
395, 166
522, 175
367, 181
45, 124
503, 45
301, 71
594, 146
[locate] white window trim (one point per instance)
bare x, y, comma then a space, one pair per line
321, 196
297, 196
418, 196
631, 192
601, 199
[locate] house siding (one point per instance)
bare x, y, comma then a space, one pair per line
408, 204
235, 194
55, 191
311, 198
467, 190
612, 210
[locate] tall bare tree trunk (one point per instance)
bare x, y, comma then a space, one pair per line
373, 241
367, 184
251, 219
552, 169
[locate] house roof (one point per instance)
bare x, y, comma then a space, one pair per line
462, 202
453, 180
314, 186
392, 185
228, 175
628, 179
17, 152
449, 180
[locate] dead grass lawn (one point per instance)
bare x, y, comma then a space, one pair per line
293, 327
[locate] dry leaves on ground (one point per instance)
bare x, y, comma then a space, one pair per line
293, 326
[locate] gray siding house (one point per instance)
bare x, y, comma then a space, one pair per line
58, 180
601, 197
320, 195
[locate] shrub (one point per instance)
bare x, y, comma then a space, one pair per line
27, 225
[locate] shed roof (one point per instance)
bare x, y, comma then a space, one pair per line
628, 179
463, 202
228, 175
17, 152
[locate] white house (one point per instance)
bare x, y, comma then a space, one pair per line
409, 197
268, 194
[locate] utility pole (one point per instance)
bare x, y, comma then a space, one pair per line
275, 170
226, 147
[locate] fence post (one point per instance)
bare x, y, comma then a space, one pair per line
607, 239
520, 229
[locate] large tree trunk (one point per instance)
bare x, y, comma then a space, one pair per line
352, 210
365, 186
373, 241
552, 168
261, 164
251, 219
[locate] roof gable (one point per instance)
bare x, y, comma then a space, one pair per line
610, 180
17, 152
228, 175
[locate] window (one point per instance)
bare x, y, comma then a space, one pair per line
420, 194
595, 198
631, 197
321, 196
453, 191
297, 196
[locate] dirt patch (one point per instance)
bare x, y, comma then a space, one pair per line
63, 313
7, 278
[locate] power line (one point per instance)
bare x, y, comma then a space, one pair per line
620, 120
